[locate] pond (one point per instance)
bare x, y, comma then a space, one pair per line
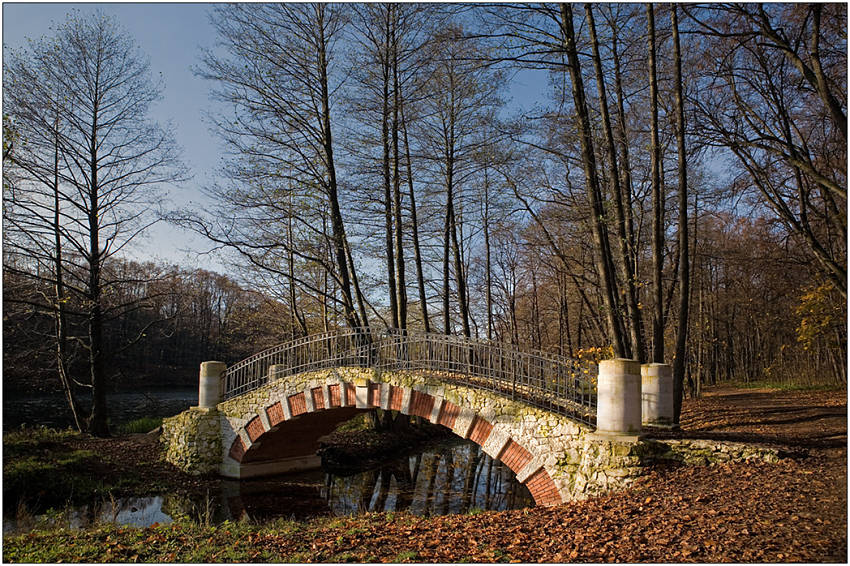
455, 476
52, 410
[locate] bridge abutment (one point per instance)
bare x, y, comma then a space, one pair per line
192, 440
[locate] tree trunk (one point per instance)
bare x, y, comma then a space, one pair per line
627, 180
684, 260
487, 260
363, 320
447, 322
337, 226
98, 424
657, 198
388, 202
602, 250
302, 323
417, 255
61, 323
399, 244
626, 270
460, 274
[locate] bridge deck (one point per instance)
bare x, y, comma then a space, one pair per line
551, 382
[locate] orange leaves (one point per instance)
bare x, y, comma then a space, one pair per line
790, 511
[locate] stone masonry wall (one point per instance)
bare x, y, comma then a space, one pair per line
192, 440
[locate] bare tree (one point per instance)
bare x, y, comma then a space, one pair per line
684, 258
625, 259
276, 70
460, 97
657, 196
374, 103
604, 263
776, 97
108, 160
33, 217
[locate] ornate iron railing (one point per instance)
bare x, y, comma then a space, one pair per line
548, 381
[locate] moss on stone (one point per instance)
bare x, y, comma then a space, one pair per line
192, 440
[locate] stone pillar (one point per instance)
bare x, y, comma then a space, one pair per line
209, 392
618, 398
361, 393
657, 394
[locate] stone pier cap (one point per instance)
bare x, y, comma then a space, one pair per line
618, 409
209, 387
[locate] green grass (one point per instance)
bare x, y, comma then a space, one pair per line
788, 386
177, 542
23, 440
43, 469
40, 468
406, 556
183, 542
143, 425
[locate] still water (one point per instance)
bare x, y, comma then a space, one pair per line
52, 410
453, 477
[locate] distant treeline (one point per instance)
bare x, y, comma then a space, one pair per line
167, 320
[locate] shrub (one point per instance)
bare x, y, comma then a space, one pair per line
143, 425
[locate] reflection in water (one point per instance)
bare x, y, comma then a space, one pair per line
452, 479
134, 511
455, 477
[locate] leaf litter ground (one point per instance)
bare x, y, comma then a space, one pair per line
791, 511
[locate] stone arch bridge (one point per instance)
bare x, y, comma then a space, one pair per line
565, 429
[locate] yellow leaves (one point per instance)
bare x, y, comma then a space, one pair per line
595, 354
819, 311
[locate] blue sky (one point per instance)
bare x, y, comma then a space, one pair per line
171, 35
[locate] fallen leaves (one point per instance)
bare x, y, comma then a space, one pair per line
791, 511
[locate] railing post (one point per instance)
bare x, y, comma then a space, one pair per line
209, 389
618, 409
276, 370
657, 394
513, 374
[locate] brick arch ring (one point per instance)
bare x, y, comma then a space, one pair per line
409, 401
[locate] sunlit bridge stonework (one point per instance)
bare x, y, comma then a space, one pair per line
533, 411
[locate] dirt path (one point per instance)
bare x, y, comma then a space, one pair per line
815, 421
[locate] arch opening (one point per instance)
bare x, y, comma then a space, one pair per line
285, 435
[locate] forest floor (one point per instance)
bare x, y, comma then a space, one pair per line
791, 511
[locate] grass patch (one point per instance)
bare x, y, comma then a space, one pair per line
45, 468
177, 542
406, 556
41, 468
23, 440
357, 423
787, 386
143, 425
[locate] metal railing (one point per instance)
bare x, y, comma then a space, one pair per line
548, 381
